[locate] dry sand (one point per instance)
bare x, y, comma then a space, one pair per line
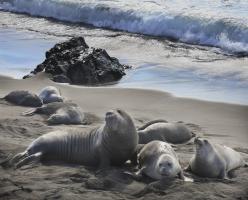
222, 123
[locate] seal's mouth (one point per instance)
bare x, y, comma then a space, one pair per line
198, 141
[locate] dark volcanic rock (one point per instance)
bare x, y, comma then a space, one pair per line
61, 79
75, 62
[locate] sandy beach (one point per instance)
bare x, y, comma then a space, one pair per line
220, 122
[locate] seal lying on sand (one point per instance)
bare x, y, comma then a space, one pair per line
50, 94
59, 112
67, 115
158, 160
23, 98
112, 143
174, 133
214, 160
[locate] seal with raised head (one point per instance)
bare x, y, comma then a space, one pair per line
50, 94
23, 98
175, 133
158, 160
214, 160
113, 143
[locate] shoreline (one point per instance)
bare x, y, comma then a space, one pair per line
156, 73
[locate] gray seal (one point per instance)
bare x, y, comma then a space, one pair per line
113, 143
59, 113
49, 109
158, 160
67, 115
50, 94
175, 133
214, 160
23, 98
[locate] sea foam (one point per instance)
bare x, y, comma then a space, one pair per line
145, 17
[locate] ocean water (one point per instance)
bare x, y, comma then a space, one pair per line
195, 49
221, 23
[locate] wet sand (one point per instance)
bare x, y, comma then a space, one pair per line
220, 122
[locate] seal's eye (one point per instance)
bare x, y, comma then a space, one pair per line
169, 164
119, 111
205, 141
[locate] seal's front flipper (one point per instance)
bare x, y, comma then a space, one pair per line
34, 158
184, 178
29, 112
104, 163
136, 176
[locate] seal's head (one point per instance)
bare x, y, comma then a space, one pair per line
167, 166
50, 94
53, 98
118, 120
202, 146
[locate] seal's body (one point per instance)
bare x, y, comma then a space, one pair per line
112, 143
50, 94
59, 113
214, 160
67, 115
158, 160
174, 133
50, 108
23, 98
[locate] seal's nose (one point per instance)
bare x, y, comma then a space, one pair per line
109, 113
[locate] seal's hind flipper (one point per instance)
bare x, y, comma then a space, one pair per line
6, 162
17, 157
151, 122
29, 112
34, 158
187, 169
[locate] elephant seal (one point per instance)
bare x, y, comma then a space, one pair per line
113, 143
23, 98
50, 94
49, 109
175, 133
59, 113
67, 115
214, 160
158, 160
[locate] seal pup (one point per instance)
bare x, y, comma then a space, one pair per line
175, 133
214, 160
158, 160
113, 143
23, 98
50, 94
